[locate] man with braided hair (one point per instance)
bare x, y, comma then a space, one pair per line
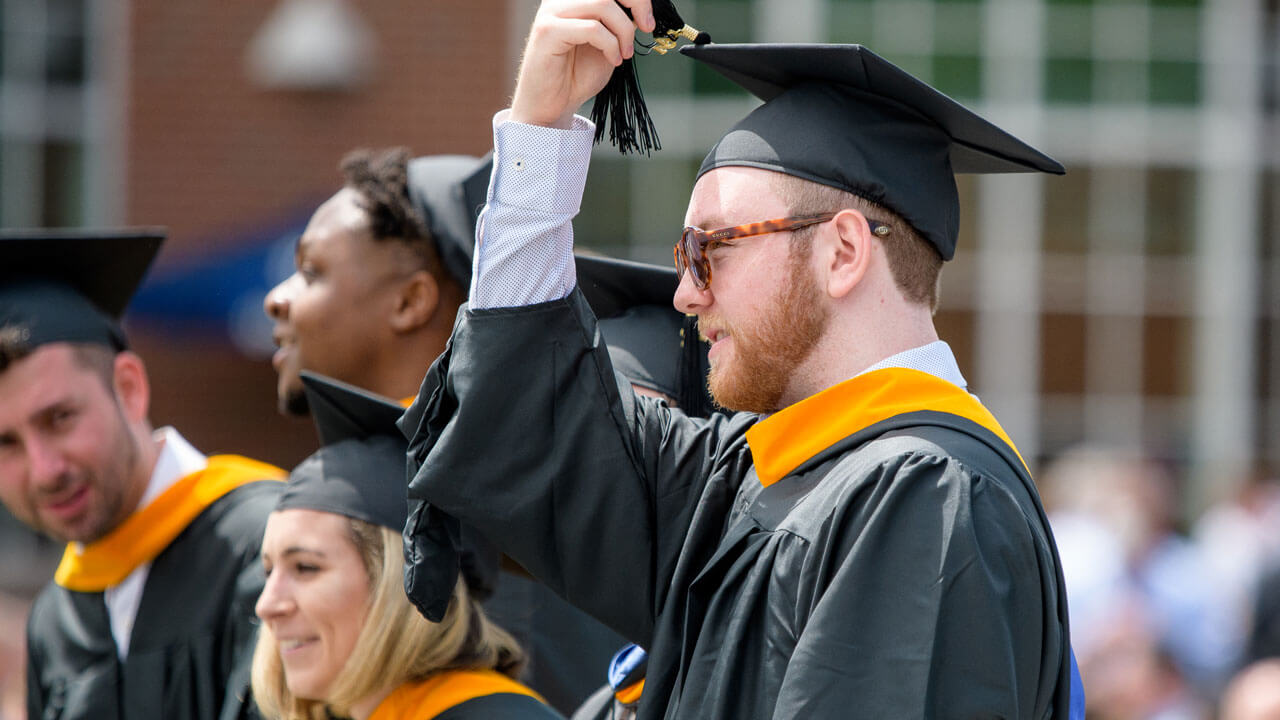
375, 289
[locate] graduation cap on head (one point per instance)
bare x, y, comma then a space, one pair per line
650, 343
842, 116
449, 191
72, 285
359, 470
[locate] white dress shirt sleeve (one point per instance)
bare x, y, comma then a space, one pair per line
524, 238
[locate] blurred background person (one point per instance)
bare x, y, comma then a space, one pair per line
339, 637
1117, 510
1254, 693
1157, 625
150, 611
1239, 538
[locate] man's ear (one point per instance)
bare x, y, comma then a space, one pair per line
415, 302
849, 252
133, 389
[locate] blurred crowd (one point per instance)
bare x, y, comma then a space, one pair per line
1170, 619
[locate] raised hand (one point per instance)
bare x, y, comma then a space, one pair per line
573, 47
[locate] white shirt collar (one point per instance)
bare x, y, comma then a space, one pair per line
177, 460
934, 358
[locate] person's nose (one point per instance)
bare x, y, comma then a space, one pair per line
688, 298
276, 303
46, 463
274, 602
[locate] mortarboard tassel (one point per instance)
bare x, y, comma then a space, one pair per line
622, 104
695, 397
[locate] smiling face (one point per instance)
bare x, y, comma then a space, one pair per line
71, 463
329, 314
316, 596
763, 312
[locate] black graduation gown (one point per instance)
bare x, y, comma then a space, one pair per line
503, 706
464, 695
192, 640
905, 570
566, 650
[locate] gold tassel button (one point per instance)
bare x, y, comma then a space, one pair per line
662, 44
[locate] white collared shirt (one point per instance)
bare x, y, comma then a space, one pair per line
934, 358
177, 460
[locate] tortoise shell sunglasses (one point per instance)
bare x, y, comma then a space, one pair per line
691, 251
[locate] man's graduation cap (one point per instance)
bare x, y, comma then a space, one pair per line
842, 116
448, 191
72, 285
650, 343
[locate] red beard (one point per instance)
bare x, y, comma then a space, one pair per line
767, 351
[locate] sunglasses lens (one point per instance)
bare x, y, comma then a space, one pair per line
689, 255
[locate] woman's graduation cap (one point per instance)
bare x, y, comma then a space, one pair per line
72, 285
449, 191
842, 116
359, 470
650, 343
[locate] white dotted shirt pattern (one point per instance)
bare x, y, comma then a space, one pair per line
934, 358
524, 252
524, 240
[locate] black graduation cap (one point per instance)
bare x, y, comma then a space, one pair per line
842, 116
359, 471
72, 285
650, 342
449, 191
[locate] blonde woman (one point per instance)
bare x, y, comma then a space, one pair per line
338, 636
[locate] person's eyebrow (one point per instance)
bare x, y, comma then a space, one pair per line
299, 549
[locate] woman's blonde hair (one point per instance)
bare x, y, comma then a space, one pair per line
396, 644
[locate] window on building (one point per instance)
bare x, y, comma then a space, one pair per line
46, 125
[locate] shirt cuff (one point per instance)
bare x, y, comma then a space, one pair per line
539, 168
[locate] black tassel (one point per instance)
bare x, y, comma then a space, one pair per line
695, 396
620, 105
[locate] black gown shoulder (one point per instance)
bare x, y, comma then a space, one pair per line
192, 640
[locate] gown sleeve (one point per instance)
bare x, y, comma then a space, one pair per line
524, 431
240, 638
925, 611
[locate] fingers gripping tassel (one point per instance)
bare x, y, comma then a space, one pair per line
620, 105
